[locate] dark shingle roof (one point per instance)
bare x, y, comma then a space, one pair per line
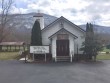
12, 43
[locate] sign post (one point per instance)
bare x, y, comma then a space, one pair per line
45, 57
33, 56
39, 50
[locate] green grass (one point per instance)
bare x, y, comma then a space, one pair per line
9, 55
106, 50
103, 57
15, 55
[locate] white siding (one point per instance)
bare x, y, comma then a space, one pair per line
48, 32
78, 33
73, 42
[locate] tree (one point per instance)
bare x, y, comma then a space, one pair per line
87, 44
97, 45
36, 38
92, 44
108, 46
5, 6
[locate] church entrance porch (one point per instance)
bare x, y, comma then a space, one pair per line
62, 50
62, 45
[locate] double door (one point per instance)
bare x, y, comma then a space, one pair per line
62, 47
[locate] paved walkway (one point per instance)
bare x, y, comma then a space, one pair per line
20, 72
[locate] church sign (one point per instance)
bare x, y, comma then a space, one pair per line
39, 49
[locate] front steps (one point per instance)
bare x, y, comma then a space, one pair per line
63, 59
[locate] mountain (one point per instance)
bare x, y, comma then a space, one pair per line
98, 28
22, 24
24, 21
27, 20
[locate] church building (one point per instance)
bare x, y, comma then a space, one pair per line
63, 37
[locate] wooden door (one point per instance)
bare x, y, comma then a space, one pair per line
62, 47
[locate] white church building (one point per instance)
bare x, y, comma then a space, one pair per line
63, 37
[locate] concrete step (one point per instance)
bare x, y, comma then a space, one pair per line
63, 58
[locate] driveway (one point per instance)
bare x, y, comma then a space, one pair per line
13, 71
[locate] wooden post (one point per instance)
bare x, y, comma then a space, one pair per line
15, 47
55, 58
24, 48
10, 47
33, 56
7, 47
25, 56
19, 47
0, 47
77, 48
71, 57
45, 57
77, 53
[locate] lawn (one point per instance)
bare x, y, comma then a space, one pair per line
103, 57
106, 50
15, 55
9, 55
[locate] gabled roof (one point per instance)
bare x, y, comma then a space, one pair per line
12, 43
48, 26
63, 29
38, 15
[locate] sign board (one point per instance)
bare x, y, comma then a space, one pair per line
39, 49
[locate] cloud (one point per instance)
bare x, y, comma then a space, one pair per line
15, 10
77, 11
44, 3
98, 11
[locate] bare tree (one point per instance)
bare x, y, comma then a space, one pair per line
5, 18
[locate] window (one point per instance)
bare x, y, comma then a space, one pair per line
62, 36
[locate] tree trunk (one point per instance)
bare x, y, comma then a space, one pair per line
0, 48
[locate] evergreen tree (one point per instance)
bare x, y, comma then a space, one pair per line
87, 41
36, 37
97, 45
108, 46
91, 46
91, 41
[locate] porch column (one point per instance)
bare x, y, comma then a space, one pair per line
71, 48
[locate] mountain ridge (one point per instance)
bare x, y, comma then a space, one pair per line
23, 23
98, 28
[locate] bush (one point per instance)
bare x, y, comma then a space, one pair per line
107, 52
108, 46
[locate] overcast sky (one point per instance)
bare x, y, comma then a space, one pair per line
77, 11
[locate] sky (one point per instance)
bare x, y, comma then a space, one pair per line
77, 11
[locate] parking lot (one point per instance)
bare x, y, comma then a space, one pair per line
13, 71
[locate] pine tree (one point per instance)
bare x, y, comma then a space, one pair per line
91, 41
86, 45
91, 46
36, 37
